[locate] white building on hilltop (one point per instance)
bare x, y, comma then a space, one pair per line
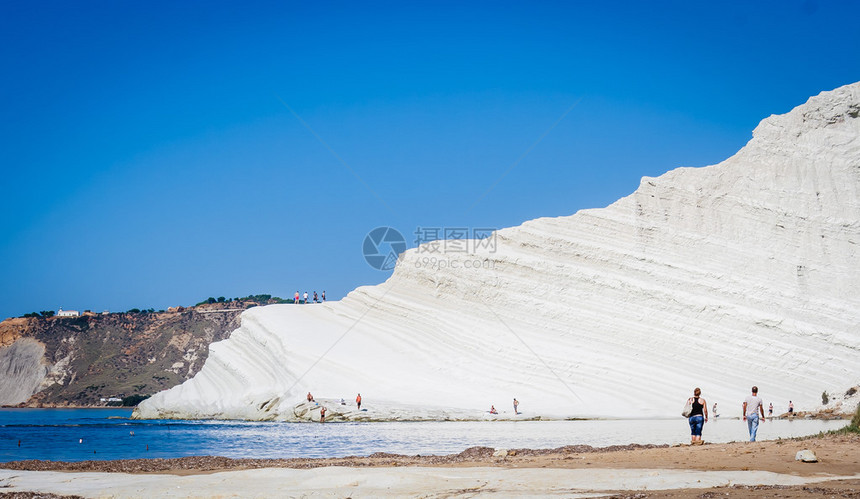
67, 313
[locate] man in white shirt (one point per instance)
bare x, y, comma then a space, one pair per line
752, 406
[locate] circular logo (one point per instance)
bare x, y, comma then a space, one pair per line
382, 246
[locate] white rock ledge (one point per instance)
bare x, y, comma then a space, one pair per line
742, 273
388, 482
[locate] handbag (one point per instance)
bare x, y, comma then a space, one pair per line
688, 409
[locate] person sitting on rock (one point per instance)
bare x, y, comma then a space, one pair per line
310, 397
493, 410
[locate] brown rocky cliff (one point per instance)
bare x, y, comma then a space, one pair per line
12, 329
92, 357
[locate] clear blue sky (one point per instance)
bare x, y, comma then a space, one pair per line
148, 161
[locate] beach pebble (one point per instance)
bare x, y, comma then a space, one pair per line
806, 455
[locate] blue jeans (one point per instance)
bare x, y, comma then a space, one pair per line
752, 424
696, 424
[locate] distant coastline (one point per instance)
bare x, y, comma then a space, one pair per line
80, 360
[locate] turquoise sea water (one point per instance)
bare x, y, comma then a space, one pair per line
82, 434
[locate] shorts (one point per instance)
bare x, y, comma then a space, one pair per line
696, 424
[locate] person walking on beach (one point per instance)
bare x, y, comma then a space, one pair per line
752, 406
358, 401
516, 405
698, 417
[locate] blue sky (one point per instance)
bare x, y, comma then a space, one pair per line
149, 159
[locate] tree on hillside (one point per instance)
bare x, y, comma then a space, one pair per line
133, 400
47, 313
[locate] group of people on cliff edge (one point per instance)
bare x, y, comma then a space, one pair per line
304, 298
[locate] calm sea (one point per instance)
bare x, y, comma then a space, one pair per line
82, 434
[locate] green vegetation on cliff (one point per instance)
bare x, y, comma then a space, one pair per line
247, 301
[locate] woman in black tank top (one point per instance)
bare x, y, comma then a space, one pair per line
697, 407
698, 416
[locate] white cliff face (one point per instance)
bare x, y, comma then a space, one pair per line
742, 273
22, 369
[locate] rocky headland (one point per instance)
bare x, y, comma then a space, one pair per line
96, 360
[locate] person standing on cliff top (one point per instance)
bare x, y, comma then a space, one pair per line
516, 405
316, 298
358, 401
306, 296
322, 414
296, 299
323, 296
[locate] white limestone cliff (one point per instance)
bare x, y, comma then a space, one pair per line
742, 273
23, 370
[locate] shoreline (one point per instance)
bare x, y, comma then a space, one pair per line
115, 407
375, 417
744, 469
309, 412
520, 457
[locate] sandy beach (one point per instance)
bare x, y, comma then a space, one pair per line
762, 469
